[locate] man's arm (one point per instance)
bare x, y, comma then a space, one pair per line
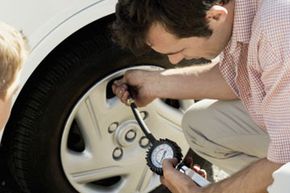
253, 179
195, 82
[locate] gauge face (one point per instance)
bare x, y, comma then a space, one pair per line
161, 152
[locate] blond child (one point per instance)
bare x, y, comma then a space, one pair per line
13, 52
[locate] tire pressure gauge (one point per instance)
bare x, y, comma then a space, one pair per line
164, 149
159, 149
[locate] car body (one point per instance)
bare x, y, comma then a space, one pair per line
47, 23
67, 131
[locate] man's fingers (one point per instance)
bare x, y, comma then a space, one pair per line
200, 171
120, 89
169, 164
125, 97
196, 167
203, 173
119, 82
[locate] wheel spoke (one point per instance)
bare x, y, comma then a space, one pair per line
89, 125
84, 168
147, 179
163, 116
103, 112
88, 176
77, 162
99, 99
103, 105
165, 122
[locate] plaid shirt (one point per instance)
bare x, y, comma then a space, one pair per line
256, 64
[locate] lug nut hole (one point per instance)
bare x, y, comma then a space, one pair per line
117, 153
130, 135
144, 142
112, 128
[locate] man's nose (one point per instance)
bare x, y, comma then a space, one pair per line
175, 58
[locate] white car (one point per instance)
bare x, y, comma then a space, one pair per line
67, 132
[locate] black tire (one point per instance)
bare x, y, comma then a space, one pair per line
34, 132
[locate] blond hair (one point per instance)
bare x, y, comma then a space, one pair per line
13, 52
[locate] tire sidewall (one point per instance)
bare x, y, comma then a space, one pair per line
48, 175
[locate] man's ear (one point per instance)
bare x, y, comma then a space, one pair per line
217, 14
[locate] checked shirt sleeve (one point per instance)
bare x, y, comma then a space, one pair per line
275, 107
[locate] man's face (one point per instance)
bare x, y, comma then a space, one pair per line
220, 21
178, 49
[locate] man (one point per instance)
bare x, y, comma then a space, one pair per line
243, 125
13, 52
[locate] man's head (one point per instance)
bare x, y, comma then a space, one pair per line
136, 19
13, 51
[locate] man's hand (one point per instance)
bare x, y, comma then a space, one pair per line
176, 181
143, 86
253, 179
194, 82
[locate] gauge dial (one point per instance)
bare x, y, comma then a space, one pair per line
160, 150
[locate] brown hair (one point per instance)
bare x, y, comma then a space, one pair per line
13, 52
183, 18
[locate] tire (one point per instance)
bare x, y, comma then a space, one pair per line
49, 145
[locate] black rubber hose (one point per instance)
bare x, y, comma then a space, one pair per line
140, 121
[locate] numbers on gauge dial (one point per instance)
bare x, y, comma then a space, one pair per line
161, 152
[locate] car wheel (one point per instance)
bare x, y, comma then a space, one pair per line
69, 133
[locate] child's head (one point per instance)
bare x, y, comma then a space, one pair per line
12, 55
13, 52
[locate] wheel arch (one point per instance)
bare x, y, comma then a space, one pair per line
50, 45
55, 35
